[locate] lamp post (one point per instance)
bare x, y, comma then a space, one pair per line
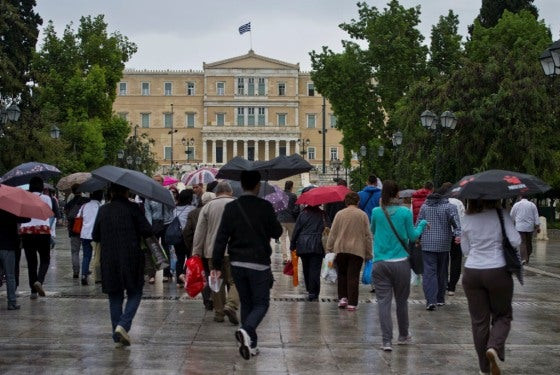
187, 144
335, 166
397, 139
435, 123
361, 156
9, 113
171, 132
129, 160
303, 143
550, 59
55, 132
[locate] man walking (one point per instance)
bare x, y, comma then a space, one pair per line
72, 209
369, 196
287, 219
526, 218
248, 224
209, 221
443, 224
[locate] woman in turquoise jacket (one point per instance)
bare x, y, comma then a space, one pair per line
391, 269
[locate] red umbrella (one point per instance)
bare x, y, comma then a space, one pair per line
23, 203
323, 194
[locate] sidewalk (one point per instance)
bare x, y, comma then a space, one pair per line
69, 330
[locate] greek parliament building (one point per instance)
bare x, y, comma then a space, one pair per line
250, 106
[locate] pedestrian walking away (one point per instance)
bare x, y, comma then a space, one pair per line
184, 207
288, 219
89, 214
248, 224
72, 209
526, 218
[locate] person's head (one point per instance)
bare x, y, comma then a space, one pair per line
390, 191
250, 181
223, 188
74, 189
97, 195
118, 191
185, 197
372, 180
352, 199
288, 185
175, 192
158, 178
36, 184
429, 186
341, 182
444, 188
207, 197
211, 185
475, 206
197, 189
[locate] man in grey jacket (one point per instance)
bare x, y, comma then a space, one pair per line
203, 245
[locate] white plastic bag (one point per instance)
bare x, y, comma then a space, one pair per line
328, 271
215, 283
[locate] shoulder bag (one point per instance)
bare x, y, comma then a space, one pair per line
414, 252
511, 255
78, 222
174, 232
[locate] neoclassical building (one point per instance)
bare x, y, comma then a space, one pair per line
252, 106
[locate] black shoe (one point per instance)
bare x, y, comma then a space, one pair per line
431, 307
76, 275
13, 306
372, 290
84, 281
209, 305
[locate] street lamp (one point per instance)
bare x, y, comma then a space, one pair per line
550, 59
55, 132
335, 165
397, 139
187, 144
9, 113
129, 160
380, 151
431, 121
303, 143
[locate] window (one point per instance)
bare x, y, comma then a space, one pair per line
122, 88
145, 120
262, 87
219, 154
281, 89
220, 119
333, 121
221, 88
190, 120
251, 116
123, 115
262, 117
167, 152
310, 89
334, 153
311, 121
168, 120
145, 88
281, 119
251, 86
240, 86
311, 153
190, 88
240, 116
190, 152
167, 89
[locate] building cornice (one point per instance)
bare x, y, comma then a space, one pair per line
249, 54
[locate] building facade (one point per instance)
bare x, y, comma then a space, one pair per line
250, 106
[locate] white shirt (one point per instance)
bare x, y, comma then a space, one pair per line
89, 212
38, 222
481, 239
460, 207
525, 216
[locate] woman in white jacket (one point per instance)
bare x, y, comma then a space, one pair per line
89, 213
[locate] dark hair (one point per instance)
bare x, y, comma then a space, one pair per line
250, 179
429, 185
475, 206
36, 184
389, 191
74, 188
288, 185
352, 198
211, 185
185, 197
341, 182
372, 179
97, 195
118, 190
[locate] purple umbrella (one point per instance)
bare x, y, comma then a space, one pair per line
24, 172
279, 199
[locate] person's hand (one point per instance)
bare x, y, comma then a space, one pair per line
538, 229
457, 240
216, 274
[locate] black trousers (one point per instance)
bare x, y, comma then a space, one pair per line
161, 236
455, 261
181, 253
33, 244
312, 273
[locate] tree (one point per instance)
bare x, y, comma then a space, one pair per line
491, 11
445, 46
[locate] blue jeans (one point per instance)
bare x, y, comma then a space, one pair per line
435, 276
254, 294
86, 259
116, 308
8, 260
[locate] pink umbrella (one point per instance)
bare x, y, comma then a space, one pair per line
279, 199
168, 180
23, 203
202, 175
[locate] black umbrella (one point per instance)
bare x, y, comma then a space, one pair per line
271, 170
92, 184
265, 189
497, 184
137, 182
21, 174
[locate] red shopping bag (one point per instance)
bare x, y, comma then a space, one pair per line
195, 279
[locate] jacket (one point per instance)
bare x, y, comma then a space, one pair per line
189, 229
207, 227
308, 231
290, 214
248, 224
369, 199
418, 199
158, 211
350, 233
444, 223
71, 209
9, 237
118, 228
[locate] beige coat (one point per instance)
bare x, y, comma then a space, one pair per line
207, 227
350, 233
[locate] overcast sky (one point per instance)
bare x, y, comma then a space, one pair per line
182, 34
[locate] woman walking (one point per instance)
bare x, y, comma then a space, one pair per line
392, 228
350, 239
184, 207
89, 213
487, 284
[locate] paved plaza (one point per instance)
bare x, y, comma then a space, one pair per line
68, 331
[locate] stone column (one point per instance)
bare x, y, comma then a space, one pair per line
204, 152
234, 147
224, 151
214, 151
267, 149
245, 149
297, 148
277, 147
256, 142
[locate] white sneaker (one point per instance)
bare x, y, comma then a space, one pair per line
450, 293
254, 351
342, 303
405, 341
492, 356
387, 347
121, 333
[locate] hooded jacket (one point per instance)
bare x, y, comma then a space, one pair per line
444, 222
369, 199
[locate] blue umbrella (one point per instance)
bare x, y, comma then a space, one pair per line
23, 173
92, 184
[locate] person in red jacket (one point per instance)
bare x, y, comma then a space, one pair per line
418, 198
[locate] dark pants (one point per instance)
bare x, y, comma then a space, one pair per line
312, 273
16, 271
8, 262
161, 236
455, 261
526, 247
207, 292
181, 253
435, 276
254, 294
489, 293
33, 244
348, 267
86, 259
118, 317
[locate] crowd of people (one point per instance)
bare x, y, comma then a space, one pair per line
232, 236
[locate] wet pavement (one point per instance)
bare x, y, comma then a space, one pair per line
68, 331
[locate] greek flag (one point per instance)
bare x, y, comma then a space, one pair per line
244, 28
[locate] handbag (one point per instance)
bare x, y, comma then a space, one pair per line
511, 255
288, 269
414, 255
174, 233
325, 233
158, 255
366, 275
78, 222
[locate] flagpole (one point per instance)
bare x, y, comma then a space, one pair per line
251, 39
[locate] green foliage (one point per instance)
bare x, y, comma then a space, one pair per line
445, 47
491, 10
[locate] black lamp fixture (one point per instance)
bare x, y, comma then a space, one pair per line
431, 121
9, 113
397, 139
55, 132
303, 143
550, 59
